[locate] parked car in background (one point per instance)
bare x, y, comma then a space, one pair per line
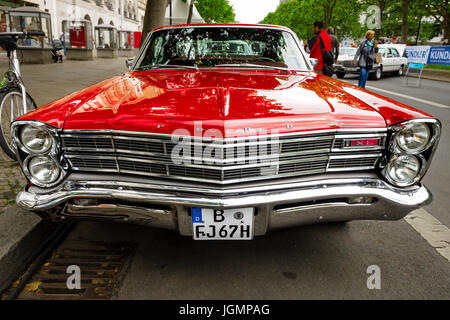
393, 62
224, 145
228, 46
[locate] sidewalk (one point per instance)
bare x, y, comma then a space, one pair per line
46, 83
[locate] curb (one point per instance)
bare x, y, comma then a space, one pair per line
21, 232
433, 74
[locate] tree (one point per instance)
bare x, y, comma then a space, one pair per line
404, 21
439, 10
154, 16
218, 11
191, 10
299, 15
393, 22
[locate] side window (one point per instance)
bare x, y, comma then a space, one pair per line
389, 52
395, 53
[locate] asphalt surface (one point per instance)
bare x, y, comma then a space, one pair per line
313, 262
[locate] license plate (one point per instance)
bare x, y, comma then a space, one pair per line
228, 224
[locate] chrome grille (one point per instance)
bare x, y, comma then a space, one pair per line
356, 162
150, 154
348, 63
94, 163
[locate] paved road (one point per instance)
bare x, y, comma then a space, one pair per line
322, 261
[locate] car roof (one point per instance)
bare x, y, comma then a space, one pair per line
235, 25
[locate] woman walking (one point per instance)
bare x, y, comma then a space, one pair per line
365, 57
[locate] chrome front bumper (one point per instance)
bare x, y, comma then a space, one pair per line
278, 204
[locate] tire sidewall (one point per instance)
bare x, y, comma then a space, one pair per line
3, 144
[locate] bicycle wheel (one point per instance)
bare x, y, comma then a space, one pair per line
11, 107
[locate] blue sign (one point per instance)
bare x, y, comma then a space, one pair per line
197, 215
439, 55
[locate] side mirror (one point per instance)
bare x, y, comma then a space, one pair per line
313, 61
129, 63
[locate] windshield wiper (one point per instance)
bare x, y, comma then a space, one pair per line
162, 66
251, 65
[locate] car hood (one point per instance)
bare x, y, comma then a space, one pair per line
234, 102
345, 57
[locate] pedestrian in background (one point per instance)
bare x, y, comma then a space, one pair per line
318, 45
365, 57
334, 43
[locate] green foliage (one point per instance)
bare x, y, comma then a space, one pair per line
299, 15
218, 11
392, 22
344, 17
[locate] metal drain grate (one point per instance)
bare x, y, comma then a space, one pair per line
102, 266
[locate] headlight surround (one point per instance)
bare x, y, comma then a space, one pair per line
39, 152
404, 170
36, 139
413, 138
42, 171
412, 145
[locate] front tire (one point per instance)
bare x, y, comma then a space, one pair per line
376, 75
399, 72
10, 109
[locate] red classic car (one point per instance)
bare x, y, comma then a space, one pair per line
224, 132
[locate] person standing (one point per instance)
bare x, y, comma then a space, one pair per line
317, 47
334, 43
365, 57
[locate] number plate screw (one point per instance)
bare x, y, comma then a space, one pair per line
238, 215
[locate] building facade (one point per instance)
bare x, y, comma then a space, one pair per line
123, 14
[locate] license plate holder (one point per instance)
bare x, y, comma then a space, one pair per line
222, 224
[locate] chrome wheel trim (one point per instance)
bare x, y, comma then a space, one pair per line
378, 73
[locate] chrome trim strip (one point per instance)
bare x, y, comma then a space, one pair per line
362, 136
350, 169
355, 156
361, 187
169, 136
74, 182
320, 205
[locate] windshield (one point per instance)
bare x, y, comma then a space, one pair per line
347, 51
216, 46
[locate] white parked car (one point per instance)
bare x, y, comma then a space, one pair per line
392, 56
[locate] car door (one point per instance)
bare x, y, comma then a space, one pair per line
397, 61
389, 65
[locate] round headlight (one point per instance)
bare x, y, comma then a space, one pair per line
44, 170
36, 140
413, 138
402, 170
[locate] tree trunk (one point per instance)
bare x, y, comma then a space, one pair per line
154, 16
446, 25
191, 9
404, 21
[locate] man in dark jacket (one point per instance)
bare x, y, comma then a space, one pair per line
315, 49
334, 43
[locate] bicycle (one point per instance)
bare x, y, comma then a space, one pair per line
14, 100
